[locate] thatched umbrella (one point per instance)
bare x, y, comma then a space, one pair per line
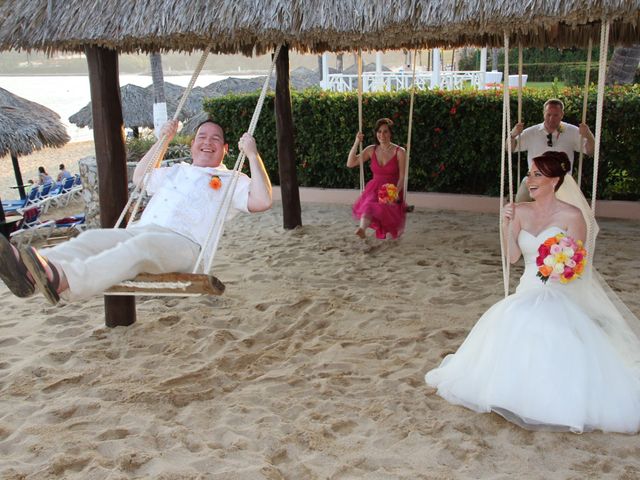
25, 127
311, 25
137, 108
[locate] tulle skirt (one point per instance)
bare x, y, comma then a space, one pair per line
539, 360
386, 219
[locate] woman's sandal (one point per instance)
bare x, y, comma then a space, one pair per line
35, 264
13, 271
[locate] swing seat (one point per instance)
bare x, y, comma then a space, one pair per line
169, 284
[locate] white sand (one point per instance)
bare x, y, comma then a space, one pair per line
310, 366
49, 158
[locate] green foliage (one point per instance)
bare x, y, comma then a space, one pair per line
137, 147
456, 144
544, 65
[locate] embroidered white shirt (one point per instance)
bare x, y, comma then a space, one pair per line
183, 200
534, 140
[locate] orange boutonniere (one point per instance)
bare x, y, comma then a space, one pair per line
215, 182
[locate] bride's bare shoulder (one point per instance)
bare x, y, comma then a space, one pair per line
570, 210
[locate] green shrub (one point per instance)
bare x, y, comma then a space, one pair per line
137, 147
456, 145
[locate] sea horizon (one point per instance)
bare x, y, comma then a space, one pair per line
67, 94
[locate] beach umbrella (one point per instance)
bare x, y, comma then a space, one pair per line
137, 108
249, 27
25, 127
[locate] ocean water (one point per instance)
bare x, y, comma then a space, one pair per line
65, 95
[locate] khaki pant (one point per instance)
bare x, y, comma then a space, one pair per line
98, 259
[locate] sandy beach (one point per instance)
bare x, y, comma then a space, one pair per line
49, 158
310, 366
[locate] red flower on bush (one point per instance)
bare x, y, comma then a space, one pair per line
437, 130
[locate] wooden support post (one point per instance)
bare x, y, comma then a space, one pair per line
18, 175
108, 134
291, 211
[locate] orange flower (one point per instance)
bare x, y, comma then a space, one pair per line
545, 270
215, 182
550, 241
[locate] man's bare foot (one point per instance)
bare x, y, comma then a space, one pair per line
360, 232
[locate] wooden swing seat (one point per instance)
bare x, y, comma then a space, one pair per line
169, 284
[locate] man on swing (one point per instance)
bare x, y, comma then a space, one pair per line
551, 135
167, 238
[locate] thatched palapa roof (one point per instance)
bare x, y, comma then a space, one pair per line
27, 126
137, 108
248, 26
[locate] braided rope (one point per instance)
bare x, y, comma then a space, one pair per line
506, 158
160, 149
409, 130
360, 122
215, 231
602, 71
519, 176
584, 107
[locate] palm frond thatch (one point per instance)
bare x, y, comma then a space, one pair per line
26, 126
137, 108
231, 26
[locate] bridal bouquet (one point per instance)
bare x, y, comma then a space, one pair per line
561, 258
388, 193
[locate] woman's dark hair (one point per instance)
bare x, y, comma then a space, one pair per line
553, 165
42, 170
383, 121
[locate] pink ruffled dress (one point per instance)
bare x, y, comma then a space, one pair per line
385, 218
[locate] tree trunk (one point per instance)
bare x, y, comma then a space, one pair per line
623, 65
320, 67
159, 100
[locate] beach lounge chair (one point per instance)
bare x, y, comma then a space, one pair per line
76, 190
66, 228
12, 206
60, 196
31, 227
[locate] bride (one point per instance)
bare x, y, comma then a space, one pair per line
552, 355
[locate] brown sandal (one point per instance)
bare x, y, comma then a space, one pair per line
35, 264
14, 272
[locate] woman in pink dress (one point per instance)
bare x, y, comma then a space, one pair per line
388, 166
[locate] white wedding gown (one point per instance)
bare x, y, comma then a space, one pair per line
540, 358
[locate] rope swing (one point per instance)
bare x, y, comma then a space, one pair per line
585, 99
602, 71
185, 284
409, 127
506, 148
506, 159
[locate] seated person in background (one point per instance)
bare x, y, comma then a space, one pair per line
63, 174
551, 135
43, 176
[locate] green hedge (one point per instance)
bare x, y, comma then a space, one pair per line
543, 65
456, 135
